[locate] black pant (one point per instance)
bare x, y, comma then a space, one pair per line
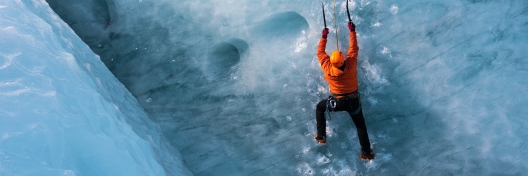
350, 106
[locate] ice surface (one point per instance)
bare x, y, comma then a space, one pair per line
442, 82
62, 112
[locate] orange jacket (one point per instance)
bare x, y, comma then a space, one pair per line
340, 81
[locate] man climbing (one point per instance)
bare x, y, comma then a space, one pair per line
342, 78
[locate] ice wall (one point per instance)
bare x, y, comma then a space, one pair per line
233, 84
62, 112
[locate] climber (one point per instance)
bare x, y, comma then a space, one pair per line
342, 78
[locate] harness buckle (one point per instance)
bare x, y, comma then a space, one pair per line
331, 103
332, 106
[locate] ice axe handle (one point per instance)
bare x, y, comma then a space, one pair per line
324, 17
348, 12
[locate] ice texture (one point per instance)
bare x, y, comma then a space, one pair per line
233, 84
62, 112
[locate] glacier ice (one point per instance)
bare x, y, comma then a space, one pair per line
62, 112
233, 84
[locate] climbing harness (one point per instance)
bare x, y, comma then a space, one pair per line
331, 103
357, 110
348, 96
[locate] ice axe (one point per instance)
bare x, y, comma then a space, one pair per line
324, 17
335, 23
348, 12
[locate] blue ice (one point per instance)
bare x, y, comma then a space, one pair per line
230, 87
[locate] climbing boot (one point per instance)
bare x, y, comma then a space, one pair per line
367, 155
320, 138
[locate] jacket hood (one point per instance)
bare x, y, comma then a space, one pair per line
336, 72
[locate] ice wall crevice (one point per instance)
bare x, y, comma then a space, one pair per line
223, 57
279, 25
